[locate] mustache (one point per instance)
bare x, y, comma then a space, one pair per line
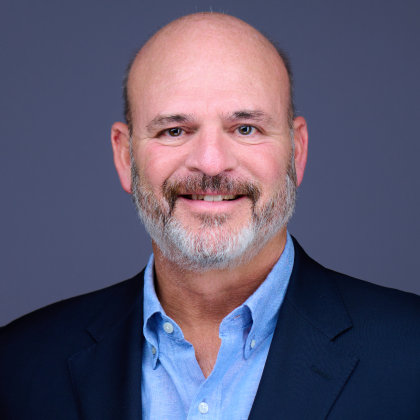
221, 184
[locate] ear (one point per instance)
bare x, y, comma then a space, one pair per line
120, 139
301, 146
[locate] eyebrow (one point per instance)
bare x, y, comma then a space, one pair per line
250, 114
163, 120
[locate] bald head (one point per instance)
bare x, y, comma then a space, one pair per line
204, 43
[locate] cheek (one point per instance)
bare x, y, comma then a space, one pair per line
158, 163
268, 166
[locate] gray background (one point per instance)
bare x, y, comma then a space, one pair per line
68, 228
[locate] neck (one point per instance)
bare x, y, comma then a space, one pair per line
198, 301
205, 297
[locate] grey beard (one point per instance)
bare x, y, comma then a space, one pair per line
213, 246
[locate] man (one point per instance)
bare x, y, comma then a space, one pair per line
233, 320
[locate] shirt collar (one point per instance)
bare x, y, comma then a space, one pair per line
151, 306
264, 304
151, 303
261, 309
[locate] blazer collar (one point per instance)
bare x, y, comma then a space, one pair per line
107, 375
305, 370
313, 293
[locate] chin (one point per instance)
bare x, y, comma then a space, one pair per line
213, 247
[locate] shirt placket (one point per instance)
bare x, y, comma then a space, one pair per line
207, 402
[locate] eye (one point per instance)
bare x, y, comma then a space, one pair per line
174, 132
246, 130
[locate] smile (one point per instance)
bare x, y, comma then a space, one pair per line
212, 197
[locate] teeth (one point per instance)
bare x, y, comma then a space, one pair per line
213, 197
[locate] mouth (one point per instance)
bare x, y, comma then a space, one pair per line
209, 197
210, 193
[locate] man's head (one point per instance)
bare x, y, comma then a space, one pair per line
210, 117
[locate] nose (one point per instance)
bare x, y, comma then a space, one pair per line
212, 152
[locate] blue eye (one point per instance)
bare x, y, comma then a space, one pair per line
246, 130
174, 132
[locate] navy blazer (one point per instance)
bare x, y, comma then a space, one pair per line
342, 349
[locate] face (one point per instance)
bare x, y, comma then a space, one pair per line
212, 158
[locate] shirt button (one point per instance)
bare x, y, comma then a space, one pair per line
153, 350
168, 327
203, 408
252, 344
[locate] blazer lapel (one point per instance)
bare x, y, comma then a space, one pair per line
107, 376
305, 370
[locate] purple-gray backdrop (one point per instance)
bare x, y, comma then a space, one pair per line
67, 227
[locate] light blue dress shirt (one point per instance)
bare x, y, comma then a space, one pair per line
173, 386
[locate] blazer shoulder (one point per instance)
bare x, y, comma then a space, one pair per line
360, 295
385, 321
357, 295
68, 316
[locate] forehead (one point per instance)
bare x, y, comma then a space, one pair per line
207, 66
